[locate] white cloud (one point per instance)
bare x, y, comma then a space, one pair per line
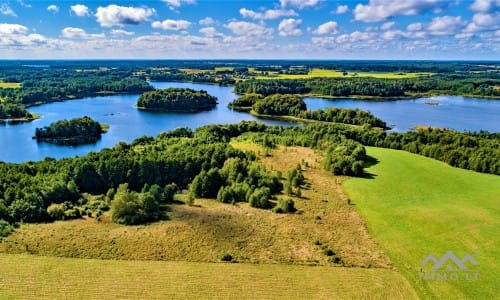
483, 22
300, 4
12, 29
174, 4
327, 28
6, 10
21, 2
380, 10
207, 21
211, 32
114, 15
15, 36
249, 29
290, 27
484, 5
53, 8
394, 34
387, 25
80, 10
171, 25
414, 26
268, 14
79, 33
342, 9
445, 25
121, 32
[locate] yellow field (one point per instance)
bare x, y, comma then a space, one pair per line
9, 85
37, 277
339, 74
221, 69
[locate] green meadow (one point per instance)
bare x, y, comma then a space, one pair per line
415, 206
9, 85
340, 74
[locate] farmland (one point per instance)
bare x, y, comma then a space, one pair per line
416, 206
316, 72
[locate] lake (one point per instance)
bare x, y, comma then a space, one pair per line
127, 123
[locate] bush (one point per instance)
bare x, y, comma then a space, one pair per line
5, 228
55, 211
226, 257
260, 198
131, 208
285, 206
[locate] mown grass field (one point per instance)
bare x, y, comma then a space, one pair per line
9, 85
415, 206
35, 277
339, 74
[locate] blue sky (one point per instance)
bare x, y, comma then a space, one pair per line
288, 29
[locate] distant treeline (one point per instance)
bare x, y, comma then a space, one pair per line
41, 85
458, 84
177, 99
293, 105
73, 132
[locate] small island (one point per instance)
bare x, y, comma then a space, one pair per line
76, 131
177, 100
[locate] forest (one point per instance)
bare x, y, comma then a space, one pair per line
76, 131
293, 105
176, 99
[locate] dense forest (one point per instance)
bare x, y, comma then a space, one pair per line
76, 131
176, 99
293, 105
484, 85
11, 110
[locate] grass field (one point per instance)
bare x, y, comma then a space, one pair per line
277, 256
415, 206
35, 277
339, 74
9, 85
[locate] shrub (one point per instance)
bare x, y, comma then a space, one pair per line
285, 206
260, 198
5, 228
55, 211
226, 257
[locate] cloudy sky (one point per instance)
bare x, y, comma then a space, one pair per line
310, 29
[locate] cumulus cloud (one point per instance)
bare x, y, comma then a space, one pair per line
211, 32
445, 25
248, 29
327, 28
342, 9
121, 32
380, 10
6, 10
290, 27
300, 4
171, 25
267, 14
15, 36
207, 21
79, 33
114, 15
12, 29
174, 4
484, 5
80, 10
414, 26
387, 25
53, 8
483, 22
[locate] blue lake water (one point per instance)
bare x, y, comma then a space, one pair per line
127, 123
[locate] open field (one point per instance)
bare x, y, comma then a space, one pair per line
208, 229
278, 256
339, 74
9, 85
222, 69
415, 206
36, 277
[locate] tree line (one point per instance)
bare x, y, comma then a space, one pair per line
177, 99
70, 132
